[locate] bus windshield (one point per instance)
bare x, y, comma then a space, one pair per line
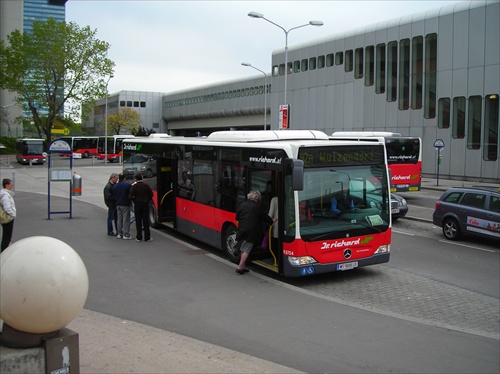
402, 150
341, 201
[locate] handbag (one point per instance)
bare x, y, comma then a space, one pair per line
265, 240
4, 217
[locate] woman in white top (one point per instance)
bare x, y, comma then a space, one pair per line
9, 206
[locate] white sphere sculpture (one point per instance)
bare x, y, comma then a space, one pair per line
43, 285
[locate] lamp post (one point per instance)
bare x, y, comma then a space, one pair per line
106, 123
311, 23
265, 91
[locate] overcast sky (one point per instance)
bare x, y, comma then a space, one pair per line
167, 46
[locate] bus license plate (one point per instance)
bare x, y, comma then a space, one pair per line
394, 211
347, 266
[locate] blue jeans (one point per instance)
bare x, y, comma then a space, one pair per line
111, 219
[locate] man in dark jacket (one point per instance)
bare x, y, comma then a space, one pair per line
121, 192
110, 202
250, 217
141, 194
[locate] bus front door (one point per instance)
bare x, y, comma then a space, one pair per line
166, 180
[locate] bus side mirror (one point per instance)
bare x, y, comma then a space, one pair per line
295, 168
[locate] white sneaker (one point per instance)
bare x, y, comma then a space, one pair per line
119, 236
127, 238
150, 240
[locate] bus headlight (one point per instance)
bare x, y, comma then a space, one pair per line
386, 248
297, 261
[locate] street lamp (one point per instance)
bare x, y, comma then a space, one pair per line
106, 123
265, 91
311, 23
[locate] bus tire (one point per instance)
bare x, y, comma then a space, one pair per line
86, 155
153, 222
149, 173
230, 245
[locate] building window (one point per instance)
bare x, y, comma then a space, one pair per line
430, 76
303, 65
458, 130
404, 74
339, 58
321, 62
136, 104
358, 71
444, 113
369, 65
348, 61
129, 104
156, 125
143, 104
312, 63
275, 71
296, 66
417, 62
474, 122
122, 102
491, 126
392, 71
329, 60
380, 69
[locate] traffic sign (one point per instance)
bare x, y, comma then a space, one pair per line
439, 143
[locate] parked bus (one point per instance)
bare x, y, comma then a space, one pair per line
30, 151
114, 148
404, 156
303, 169
82, 146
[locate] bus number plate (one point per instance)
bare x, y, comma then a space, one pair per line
347, 266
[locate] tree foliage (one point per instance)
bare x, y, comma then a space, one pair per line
126, 120
57, 69
142, 131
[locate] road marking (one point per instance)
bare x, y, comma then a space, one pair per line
468, 246
403, 232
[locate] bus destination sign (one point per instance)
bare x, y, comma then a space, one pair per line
317, 157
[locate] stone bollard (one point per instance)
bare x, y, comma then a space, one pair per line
43, 287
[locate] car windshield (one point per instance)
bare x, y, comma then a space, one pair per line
137, 159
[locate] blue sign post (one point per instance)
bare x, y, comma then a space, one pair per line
438, 144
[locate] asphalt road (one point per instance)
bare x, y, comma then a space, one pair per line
433, 308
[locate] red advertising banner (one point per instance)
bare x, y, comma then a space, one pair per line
284, 119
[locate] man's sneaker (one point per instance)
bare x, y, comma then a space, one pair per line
119, 236
137, 240
127, 238
150, 240
111, 234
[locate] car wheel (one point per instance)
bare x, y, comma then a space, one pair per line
451, 229
230, 245
149, 173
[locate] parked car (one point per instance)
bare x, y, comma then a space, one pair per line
468, 210
140, 163
399, 208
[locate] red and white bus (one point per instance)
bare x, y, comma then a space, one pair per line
303, 169
30, 151
404, 157
114, 147
82, 146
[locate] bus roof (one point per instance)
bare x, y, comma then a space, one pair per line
266, 135
365, 133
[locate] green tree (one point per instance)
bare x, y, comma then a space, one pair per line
126, 120
142, 131
59, 69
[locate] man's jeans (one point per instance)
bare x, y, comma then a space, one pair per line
111, 219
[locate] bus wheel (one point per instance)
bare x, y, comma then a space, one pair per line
149, 173
86, 155
152, 217
230, 245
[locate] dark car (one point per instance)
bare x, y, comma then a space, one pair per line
469, 210
399, 208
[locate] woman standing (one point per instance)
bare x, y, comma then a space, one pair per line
9, 206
